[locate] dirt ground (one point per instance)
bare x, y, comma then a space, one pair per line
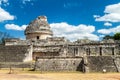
18, 75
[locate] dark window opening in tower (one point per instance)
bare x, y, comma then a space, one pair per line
38, 37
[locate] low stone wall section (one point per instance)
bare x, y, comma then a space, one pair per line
100, 63
59, 64
17, 65
117, 63
14, 53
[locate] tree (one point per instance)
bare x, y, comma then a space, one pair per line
108, 37
3, 36
116, 36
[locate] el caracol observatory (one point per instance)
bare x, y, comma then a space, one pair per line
48, 53
38, 29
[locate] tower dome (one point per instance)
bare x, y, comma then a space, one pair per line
38, 29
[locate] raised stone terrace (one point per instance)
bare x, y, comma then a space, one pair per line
99, 63
14, 53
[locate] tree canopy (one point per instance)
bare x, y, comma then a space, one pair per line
116, 36
3, 36
107, 37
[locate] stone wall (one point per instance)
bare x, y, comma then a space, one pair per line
35, 36
93, 49
16, 41
117, 63
17, 65
15, 53
83, 64
98, 63
58, 64
39, 54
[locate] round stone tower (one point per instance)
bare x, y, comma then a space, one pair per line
38, 29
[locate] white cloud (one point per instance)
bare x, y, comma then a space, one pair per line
72, 32
71, 5
4, 2
114, 8
110, 30
112, 14
15, 27
101, 36
4, 15
96, 16
25, 1
104, 31
107, 24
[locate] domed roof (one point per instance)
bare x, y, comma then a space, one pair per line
39, 25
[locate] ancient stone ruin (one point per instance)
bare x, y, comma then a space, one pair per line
57, 53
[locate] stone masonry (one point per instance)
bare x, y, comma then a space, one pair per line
59, 54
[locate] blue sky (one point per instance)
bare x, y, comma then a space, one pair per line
73, 19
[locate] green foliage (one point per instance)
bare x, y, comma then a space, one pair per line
107, 37
117, 36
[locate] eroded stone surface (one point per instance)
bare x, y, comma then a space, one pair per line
45, 49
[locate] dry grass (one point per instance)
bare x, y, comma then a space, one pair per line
27, 75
